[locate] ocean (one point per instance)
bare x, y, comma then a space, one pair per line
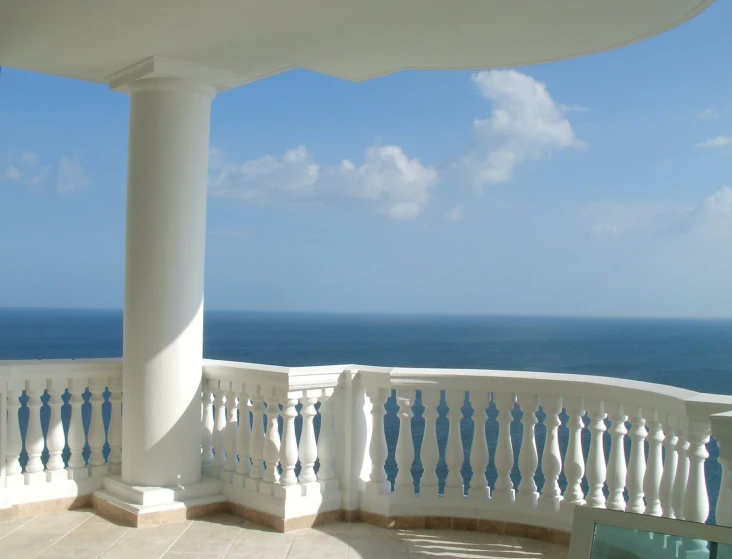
692, 354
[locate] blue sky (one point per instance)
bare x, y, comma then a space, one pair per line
595, 186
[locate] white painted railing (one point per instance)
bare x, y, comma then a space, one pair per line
60, 427
514, 447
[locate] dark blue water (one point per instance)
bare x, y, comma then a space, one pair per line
693, 354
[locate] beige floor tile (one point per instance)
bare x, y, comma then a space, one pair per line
162, 531
62, 522
258, 549
72, 551
9, 526
94, 535
209, 547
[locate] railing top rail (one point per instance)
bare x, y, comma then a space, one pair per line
54, 368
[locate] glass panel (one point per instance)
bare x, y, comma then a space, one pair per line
613, 542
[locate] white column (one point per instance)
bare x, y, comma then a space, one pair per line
429, 454
308, 448
551, 460
163, 311
670, 463
404, 484
682, 472
256, 441
574, 460
13, 470
272, 441
207, 423
528, 460
288, 449
636, 463
479, 456
243, 432
77, 438
378, 450
654, 467
616, 468
454, 455
326, 442
230, 436
696, 499
115, 427
596, 465
34, 443
504, 450
97, 437
55, 438
722, 432
219, 428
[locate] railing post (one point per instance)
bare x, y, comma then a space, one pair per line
378, 450
682, 470
55, 439
97, 436
404, 484
230, 435
504, 491
326, 473
308, 448
430, 454
207, 423
596, 465
77, 437
574, 460
722, 432
271, 445
670, 464
219, 428
654, 467
696, 499
34, 443
551, 462
256, 442
454, 456
14, 445
637, 463
288, 448
479, 490
616, 468
243, 432
115, 426
528, 458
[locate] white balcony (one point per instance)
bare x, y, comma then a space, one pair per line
503, 452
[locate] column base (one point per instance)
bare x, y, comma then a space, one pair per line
145, 506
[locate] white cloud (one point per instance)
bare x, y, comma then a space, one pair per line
71, 176
718, 142
525, 124
388, 181
711, 218
708, 114
24, 169
455, 214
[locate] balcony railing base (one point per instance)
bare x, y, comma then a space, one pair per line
144, 506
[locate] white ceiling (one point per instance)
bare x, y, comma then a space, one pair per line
354, 40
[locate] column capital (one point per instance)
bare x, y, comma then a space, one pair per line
157, 72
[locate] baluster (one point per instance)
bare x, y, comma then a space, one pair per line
551, 460
34, 443
97, 436
13, 470
696, 499
682, 472
616, 468
77, 437
636, 464
654, 471
115, 427
404, 484
207, 424
504, 450
723, 512
528, 460
308, 450
430, 453
326, 473
256, 442
670, 464
219, 428
574, 460
479, 456
242, 437
55, 438
272, 443
596, 467
378, 450
454, 455
288, 450
230, 436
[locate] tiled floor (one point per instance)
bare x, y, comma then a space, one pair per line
82, 534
